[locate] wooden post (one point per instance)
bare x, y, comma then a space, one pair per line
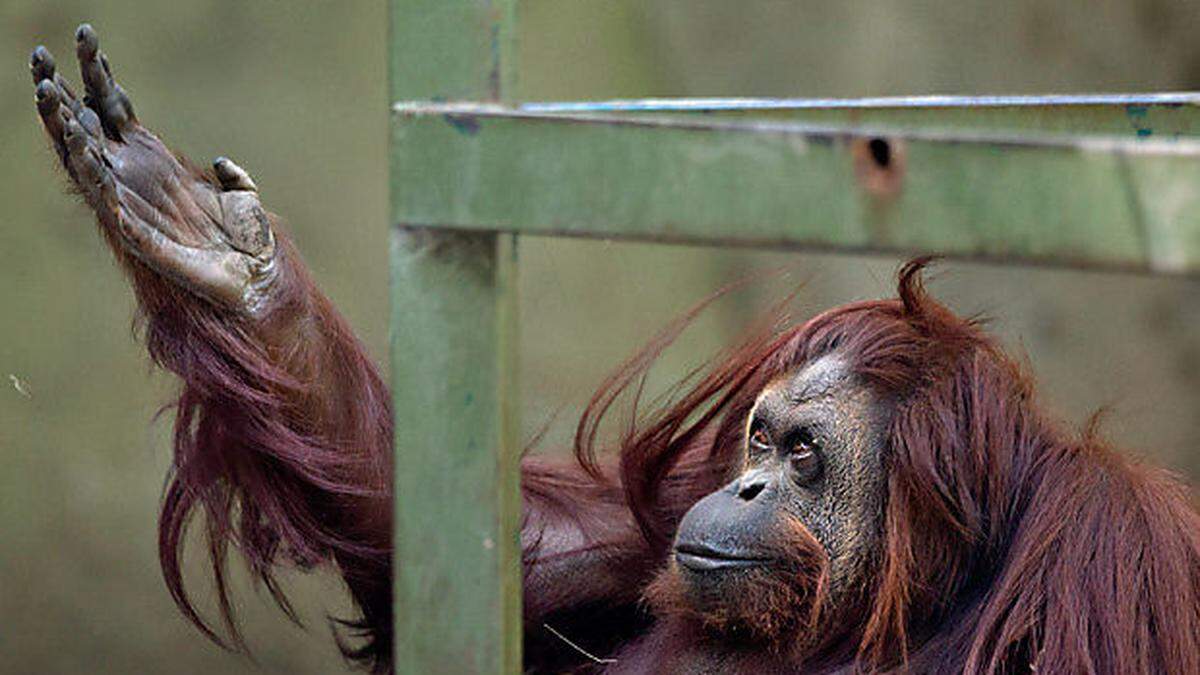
457, 500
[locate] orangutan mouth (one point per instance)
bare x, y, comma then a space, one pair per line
701, 558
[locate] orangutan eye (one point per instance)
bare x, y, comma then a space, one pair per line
760, 441
805, 441
805, 457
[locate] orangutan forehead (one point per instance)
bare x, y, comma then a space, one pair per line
813, 380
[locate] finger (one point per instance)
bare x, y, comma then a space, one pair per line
85, 159
43, 67
246, 225
243, 219
41, 64
56, 114
103, 94
232, 176
46, 94
49, 105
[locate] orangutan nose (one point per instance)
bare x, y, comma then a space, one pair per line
750, 486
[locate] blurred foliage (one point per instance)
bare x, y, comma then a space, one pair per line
296, 94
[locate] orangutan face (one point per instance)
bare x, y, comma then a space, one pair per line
798, 533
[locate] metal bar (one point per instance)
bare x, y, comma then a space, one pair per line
466, 114
1110, 201
1169, 115
457, 510
935, 101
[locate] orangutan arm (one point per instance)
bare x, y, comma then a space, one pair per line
283, 426
585, 564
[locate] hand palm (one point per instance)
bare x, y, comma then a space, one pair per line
207, 233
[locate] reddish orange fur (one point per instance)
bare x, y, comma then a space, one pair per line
776, 605
283, 446
1010, 544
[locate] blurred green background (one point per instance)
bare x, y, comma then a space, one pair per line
295, 92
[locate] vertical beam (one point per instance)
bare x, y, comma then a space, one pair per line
457, 548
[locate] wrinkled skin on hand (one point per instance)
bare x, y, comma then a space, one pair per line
206, 232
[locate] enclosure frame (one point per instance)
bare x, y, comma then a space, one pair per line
1106, 181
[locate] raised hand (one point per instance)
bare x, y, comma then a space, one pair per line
206, 232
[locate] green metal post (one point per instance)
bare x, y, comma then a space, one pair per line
457, 513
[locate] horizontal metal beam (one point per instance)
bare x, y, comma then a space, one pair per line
1169, 115
1095, 200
